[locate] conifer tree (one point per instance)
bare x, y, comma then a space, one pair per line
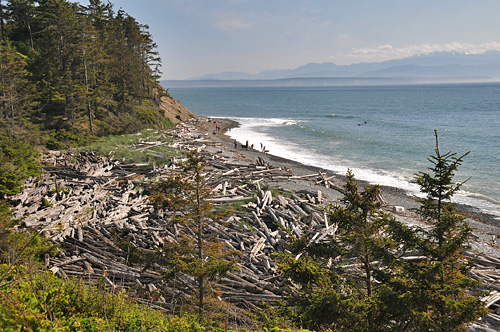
437, 291
84, 63
22, 22
338, 282
203, 258
13, 82
432, 292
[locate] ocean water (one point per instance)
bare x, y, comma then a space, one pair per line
383, 133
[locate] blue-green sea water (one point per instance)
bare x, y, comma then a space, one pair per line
383, 133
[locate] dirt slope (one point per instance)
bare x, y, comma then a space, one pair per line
174, 110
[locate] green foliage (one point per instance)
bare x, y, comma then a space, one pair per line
201, 257
337, 282
13, 83
62, 140
17, 162
42, 302
5, 224
5, 213
29, 245
274, 315
442, 295
356, 280
84, 70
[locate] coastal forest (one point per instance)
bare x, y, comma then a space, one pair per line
68, 75
74, 75
70, 72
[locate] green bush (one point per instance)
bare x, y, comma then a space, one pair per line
17, 162
62, 139
36, 301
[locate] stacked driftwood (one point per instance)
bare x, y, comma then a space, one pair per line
93, 206
487, 270
92, 203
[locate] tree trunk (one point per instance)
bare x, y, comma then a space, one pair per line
4, 102
201, 280
11, 108
89, 109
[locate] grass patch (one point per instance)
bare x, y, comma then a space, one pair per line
133, 148
231, 207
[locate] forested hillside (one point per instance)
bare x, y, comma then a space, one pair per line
71, 72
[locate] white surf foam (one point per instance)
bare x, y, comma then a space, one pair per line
255, 130
249, 130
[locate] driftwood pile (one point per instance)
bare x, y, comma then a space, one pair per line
92, 205
487, 270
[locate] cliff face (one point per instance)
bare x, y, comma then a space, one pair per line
174, 110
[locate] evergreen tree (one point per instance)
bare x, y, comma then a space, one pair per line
203, 258
13, 82
22, 24
439, 294
338, 281
97, 48
358, 280
17, 163
85, 66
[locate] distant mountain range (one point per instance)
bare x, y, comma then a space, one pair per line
437, 67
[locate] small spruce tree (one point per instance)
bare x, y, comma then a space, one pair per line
194, 252
439, 294
337, 282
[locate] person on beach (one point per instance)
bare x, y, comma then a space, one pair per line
251, 147
246, 145
235, 144
261, 147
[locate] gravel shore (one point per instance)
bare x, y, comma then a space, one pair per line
486, 235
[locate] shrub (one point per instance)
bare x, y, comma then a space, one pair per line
37, 301
17, 162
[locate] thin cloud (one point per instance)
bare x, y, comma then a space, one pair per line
232, 24
389, 51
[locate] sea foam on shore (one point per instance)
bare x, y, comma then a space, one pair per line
385, 134
263, 131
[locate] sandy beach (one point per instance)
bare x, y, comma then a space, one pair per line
486, 235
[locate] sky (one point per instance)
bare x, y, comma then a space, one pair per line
198, 37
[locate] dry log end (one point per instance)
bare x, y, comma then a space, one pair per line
398, 209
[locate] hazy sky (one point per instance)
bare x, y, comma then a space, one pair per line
197, 37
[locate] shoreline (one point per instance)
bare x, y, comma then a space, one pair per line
486, 227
